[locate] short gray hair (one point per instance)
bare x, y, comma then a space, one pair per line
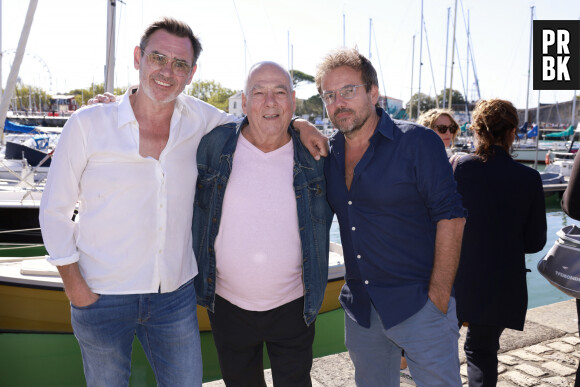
267, 63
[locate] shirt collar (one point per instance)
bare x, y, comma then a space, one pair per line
126, 114
385, 126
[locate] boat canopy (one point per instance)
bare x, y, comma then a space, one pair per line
563, 135
14, 127
530, 134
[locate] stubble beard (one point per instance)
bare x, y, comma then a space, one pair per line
148, 83
350, 128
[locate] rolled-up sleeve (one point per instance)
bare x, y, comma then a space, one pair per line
61, 194
435, 179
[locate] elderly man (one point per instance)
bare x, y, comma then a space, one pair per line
401, 223
127, 265
261, 233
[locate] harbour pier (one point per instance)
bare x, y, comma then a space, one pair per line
545, 354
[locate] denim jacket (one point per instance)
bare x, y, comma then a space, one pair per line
214, 162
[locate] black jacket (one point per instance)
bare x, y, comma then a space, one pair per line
506, 219
571, 198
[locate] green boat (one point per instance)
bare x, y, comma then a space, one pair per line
35, 331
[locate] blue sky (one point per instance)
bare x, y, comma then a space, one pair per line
66, 48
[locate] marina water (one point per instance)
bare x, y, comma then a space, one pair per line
540, 291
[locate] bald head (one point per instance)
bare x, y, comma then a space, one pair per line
261, 65
269, 103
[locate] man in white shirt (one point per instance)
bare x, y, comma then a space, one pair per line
127, 265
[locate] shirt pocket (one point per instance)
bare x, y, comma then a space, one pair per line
207, 180
317, 200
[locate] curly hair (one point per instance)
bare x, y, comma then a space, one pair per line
349, 57
431, 116
493, 121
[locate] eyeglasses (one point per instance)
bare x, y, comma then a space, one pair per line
347, 92
443, 128
157, 60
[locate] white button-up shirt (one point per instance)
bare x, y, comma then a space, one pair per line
133, 233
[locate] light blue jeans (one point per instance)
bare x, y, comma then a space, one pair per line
429, 339
165, 324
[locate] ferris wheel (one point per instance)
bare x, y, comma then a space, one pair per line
33, 71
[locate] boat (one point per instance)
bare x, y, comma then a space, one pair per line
19, 204
35, 329
33, 290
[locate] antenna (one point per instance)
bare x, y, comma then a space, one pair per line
244, 36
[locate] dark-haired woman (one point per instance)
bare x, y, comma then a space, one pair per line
506, 220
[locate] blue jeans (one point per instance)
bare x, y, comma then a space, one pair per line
429, 339
165, 324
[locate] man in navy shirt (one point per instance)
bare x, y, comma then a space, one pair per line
401, 223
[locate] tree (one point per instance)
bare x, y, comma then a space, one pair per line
312, 106
30, 98
212, 92
83, 95
426, 103
456, 98
299, 78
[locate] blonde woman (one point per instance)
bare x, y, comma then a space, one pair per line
441, 122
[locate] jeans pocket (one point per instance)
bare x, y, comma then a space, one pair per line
86, 306
434, 307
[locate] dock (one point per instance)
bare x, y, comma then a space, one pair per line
550, 189
546, 354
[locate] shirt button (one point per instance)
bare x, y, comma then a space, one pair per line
358, 256
350, 203
354, 228
366, 282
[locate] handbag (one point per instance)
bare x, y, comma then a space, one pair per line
561, 265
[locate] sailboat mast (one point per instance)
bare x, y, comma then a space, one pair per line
343, 30
445, 68
0, 49
110, 62
370, 35
412, 68
529, 64
573, 118
452, 57
12, 77
538, 135
467, 69
420, 64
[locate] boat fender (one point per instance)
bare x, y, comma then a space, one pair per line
561, 265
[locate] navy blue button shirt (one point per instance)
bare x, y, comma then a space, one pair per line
402, 186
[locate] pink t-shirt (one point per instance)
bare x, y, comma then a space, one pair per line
258, 248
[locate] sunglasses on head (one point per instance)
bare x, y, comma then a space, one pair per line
443, 128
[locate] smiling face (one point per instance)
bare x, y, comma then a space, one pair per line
268, 100
349, 115
162, 84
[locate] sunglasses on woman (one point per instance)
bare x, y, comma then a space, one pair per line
443, 128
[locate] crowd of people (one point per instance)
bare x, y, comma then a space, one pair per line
234, 215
